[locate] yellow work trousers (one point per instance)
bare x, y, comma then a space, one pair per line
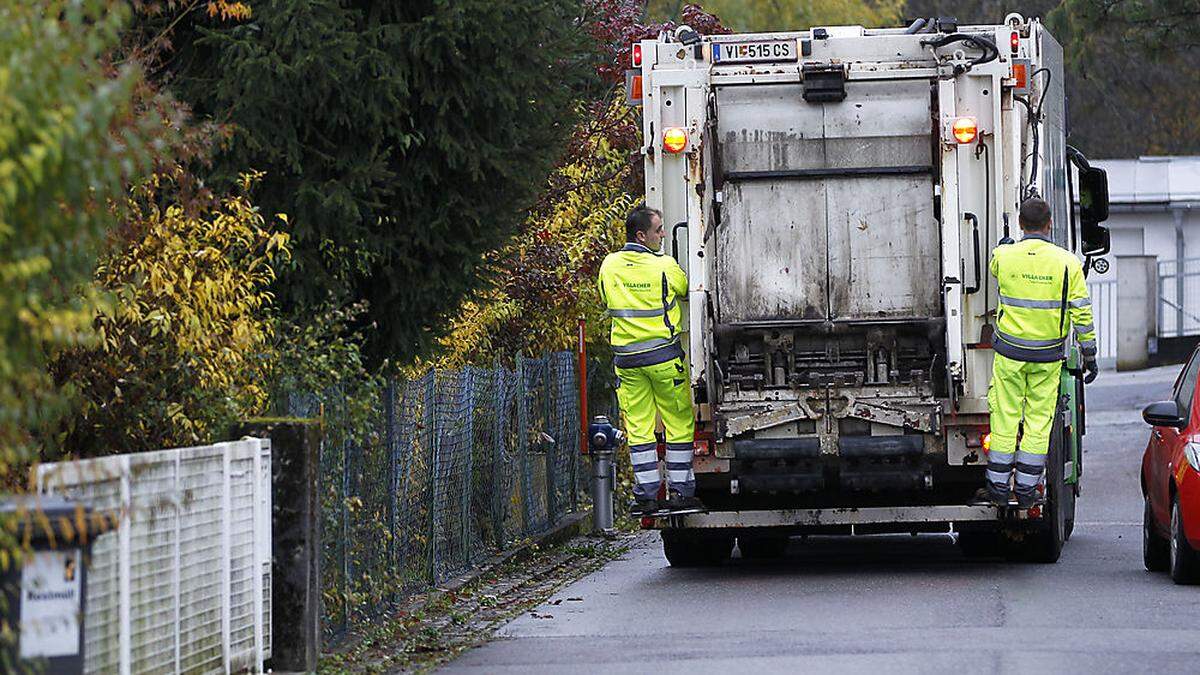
1021, 395
645, 394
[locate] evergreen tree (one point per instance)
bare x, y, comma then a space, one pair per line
404, 139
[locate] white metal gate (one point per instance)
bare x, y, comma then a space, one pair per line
1178, 297
184, 583
1103, 293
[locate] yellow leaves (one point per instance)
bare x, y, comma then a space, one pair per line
228, 11
191, 308
586, 211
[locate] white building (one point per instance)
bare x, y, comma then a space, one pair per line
1151, 202
1151, 213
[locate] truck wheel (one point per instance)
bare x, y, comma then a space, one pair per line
1045, 544
1156, 551
1185, 567
981, 543
762, 548
688, 548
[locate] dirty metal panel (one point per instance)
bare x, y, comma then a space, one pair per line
837, 246
883, 240
882, 228
769, 128
880, 124
771, 261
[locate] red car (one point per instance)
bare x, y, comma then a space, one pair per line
1171, 481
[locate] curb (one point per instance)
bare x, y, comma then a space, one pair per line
571, 526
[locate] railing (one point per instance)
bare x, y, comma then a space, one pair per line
1104, 314
184, 582
1178, 297
450, 467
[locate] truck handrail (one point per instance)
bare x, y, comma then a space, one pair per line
969, 290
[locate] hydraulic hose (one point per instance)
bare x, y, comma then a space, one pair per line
990, 52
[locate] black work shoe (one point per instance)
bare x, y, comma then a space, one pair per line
1030, 499
643, 508
678, 504
990, 496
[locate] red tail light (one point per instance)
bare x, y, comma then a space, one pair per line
637, 55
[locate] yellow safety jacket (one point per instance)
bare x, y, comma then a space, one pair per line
642, 290
1042, 294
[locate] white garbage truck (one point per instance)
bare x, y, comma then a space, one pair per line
834, 196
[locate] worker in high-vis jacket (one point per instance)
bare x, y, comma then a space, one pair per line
1043, 298
642, 289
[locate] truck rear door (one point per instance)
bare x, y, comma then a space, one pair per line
828, 208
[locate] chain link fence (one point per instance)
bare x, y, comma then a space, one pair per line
450, 468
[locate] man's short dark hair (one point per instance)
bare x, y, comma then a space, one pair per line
639, 220
1035, 214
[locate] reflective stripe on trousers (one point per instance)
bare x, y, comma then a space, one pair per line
645, 394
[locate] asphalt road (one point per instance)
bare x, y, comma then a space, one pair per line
890, 604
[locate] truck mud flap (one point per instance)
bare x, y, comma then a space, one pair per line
881, 447
779, 465
777, 448
881, 463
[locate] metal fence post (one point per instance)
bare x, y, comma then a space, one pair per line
389, 420
549, 397
523, 443
572, 424
434, 422
468, 396
500, 406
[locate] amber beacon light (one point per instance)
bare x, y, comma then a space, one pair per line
964, 129
674, 139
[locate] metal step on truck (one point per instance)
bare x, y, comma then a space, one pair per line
834, 196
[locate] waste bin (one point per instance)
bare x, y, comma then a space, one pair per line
44, 594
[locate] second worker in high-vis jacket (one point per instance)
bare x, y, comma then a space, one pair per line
642, 289
1043, 298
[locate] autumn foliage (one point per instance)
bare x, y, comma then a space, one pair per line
545, 280
186, 343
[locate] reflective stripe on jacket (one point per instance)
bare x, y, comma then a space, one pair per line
1042, 295
642, 290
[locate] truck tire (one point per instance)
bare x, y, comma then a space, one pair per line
1047, 537
762, 547
1185, 565
690, 548
1156, 551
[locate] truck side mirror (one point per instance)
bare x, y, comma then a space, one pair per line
1093, 210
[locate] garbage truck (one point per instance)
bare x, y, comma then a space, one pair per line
834, 196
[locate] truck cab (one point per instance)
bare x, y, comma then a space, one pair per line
834, 196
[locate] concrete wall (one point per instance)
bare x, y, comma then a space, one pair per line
1137, 302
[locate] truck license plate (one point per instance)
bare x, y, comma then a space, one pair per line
750, 52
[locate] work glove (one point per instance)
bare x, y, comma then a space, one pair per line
1090, 370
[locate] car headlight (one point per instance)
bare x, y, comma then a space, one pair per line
1192, 452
